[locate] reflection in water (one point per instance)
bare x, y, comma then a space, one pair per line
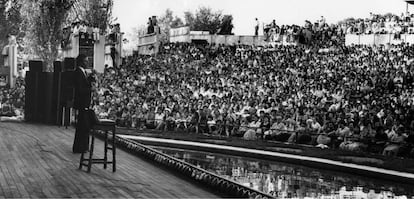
291, 181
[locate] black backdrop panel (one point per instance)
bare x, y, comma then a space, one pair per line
39, 97
48, 92
35, 66
69, 64
31, 82
57, 67
56, 111
45, 98
67, 86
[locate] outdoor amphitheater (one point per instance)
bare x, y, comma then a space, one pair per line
193, 110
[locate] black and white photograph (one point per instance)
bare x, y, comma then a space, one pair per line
297, 99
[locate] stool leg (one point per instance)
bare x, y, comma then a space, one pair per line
106, 150
91, 152
81, 160
113, 151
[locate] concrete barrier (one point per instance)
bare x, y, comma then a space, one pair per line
378, 39
148, 44
316, 162
209, 179
232, 39
228, 39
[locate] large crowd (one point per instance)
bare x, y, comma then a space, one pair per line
318, 33
12, 100
321, 31
357, 98
382, 24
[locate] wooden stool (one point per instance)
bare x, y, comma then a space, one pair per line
105, 126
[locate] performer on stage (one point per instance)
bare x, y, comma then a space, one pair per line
82, 101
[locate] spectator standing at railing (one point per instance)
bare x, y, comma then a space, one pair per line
396, 140
256, 27
203, 120
195, 117
150, 28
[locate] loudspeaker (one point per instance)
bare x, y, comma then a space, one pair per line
35, 66
39, 97
69, 64
56, 110
66, 96
31, 99
57, 66
67, 86
45, 90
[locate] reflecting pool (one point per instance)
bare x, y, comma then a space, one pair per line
285, 180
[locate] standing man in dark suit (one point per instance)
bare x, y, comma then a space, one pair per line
82, 101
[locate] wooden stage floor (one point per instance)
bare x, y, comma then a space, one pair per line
37, 161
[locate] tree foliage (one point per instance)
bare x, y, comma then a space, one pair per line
168, 21
206, 19
177, 22
10, 22
226, 25
189, 18
44, 20
3, 31
96, 13
347, 20
3, 22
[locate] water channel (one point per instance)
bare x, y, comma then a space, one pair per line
285, 180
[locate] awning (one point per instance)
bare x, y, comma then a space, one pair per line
410, 1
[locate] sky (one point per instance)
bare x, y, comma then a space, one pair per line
134, 13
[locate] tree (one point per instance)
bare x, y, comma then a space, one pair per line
10, 19
189, 18
177, 22
347, 21
44, 20
226, 25
96, 13
3, 31
10, 22
14, 18
205, 19
166, 18
3, 20
168, 21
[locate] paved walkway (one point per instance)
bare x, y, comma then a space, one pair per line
36, 161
